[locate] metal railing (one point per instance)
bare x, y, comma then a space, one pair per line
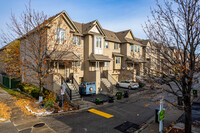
68, 90
75, 84
111, 79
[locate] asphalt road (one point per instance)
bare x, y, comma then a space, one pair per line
92, 98
137, 109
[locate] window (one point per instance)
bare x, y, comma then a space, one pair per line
60, 36
76, 64
135, 48
106, 44
117, 60
131, 48
76, 40
105, 64
116, 46
138, 48
148, 49
98, 42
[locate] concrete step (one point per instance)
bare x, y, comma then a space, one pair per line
75, 99
73, 95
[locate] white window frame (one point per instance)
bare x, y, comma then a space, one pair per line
105, 64
60, 36
117, 61
78, 63
77, 40
148, 50
98, 45
138, 49
98, 42
135, 48
97, 65
106, 44
131, 48
116, 44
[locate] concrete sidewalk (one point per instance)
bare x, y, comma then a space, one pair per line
172, 114
20, 122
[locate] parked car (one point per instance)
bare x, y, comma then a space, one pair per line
128, 84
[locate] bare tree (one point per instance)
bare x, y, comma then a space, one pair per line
43, 41
175, 29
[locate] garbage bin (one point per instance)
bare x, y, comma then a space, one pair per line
180, 100
126, 94
195, 93
111, 99
119, 95
156, 115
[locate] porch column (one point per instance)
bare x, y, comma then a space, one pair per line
134, 72
65, 73
58, 67
97, 65
141, 70
54, 66
108, 66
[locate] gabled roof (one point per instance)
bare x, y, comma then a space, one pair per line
67, 19
121, 35
111, 36
79, 26
142, 41
85, 28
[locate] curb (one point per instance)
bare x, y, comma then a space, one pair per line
146, 124
95, 106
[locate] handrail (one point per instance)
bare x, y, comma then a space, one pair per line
110, 76
68, 90
75, 84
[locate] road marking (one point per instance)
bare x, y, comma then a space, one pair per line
100, 113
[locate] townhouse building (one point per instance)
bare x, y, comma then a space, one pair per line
103, 56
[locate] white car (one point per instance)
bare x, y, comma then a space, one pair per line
127, 84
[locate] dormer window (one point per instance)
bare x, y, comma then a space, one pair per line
60, 36
131, 48
135, 48
138, 49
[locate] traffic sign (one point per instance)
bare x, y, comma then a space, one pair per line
62, 91
161, 115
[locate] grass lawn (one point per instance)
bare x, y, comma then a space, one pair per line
14, 93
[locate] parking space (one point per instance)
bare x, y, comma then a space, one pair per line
131, 91
92, 98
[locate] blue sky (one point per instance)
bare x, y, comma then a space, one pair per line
115, 15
